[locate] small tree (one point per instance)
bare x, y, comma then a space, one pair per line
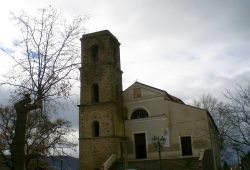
7, 127
42, 136
46, 55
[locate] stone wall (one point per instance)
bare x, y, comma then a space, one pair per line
208, 160
166, 164
185, 163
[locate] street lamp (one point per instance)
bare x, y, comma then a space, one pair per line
61, 161
37, 159
158, 143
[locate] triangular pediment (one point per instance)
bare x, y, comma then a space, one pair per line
141, 91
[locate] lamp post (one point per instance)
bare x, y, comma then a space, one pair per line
37, 159
158, 143
61, 160
61, 163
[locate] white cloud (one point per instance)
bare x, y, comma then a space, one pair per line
184, 47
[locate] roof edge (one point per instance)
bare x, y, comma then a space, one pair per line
172, 98
99, 33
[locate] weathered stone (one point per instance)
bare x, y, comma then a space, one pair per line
99, 141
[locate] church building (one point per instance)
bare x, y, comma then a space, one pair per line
142, 127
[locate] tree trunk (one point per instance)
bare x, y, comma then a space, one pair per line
18, 144
19, 141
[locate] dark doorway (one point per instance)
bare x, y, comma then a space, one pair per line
140, 146
186, 145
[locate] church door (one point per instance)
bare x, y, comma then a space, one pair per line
140, 146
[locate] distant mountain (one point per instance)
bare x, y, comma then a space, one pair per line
67, 163
55, 163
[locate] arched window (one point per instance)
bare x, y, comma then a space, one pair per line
95, 93
139, 113
95, 129
94, 53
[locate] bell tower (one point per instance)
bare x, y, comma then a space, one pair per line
101, 125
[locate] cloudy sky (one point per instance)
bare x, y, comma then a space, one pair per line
186, 47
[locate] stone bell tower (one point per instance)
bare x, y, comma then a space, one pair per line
101, 122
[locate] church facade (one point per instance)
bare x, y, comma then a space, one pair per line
139, 125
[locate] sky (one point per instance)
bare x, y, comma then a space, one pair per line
186, 47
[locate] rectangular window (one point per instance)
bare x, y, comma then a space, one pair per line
137, 93
186, 146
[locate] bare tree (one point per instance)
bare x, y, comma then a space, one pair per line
42, 136
46, 56
238, 130
218, 111
207, 102
232, 119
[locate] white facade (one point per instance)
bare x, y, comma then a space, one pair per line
186, 129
